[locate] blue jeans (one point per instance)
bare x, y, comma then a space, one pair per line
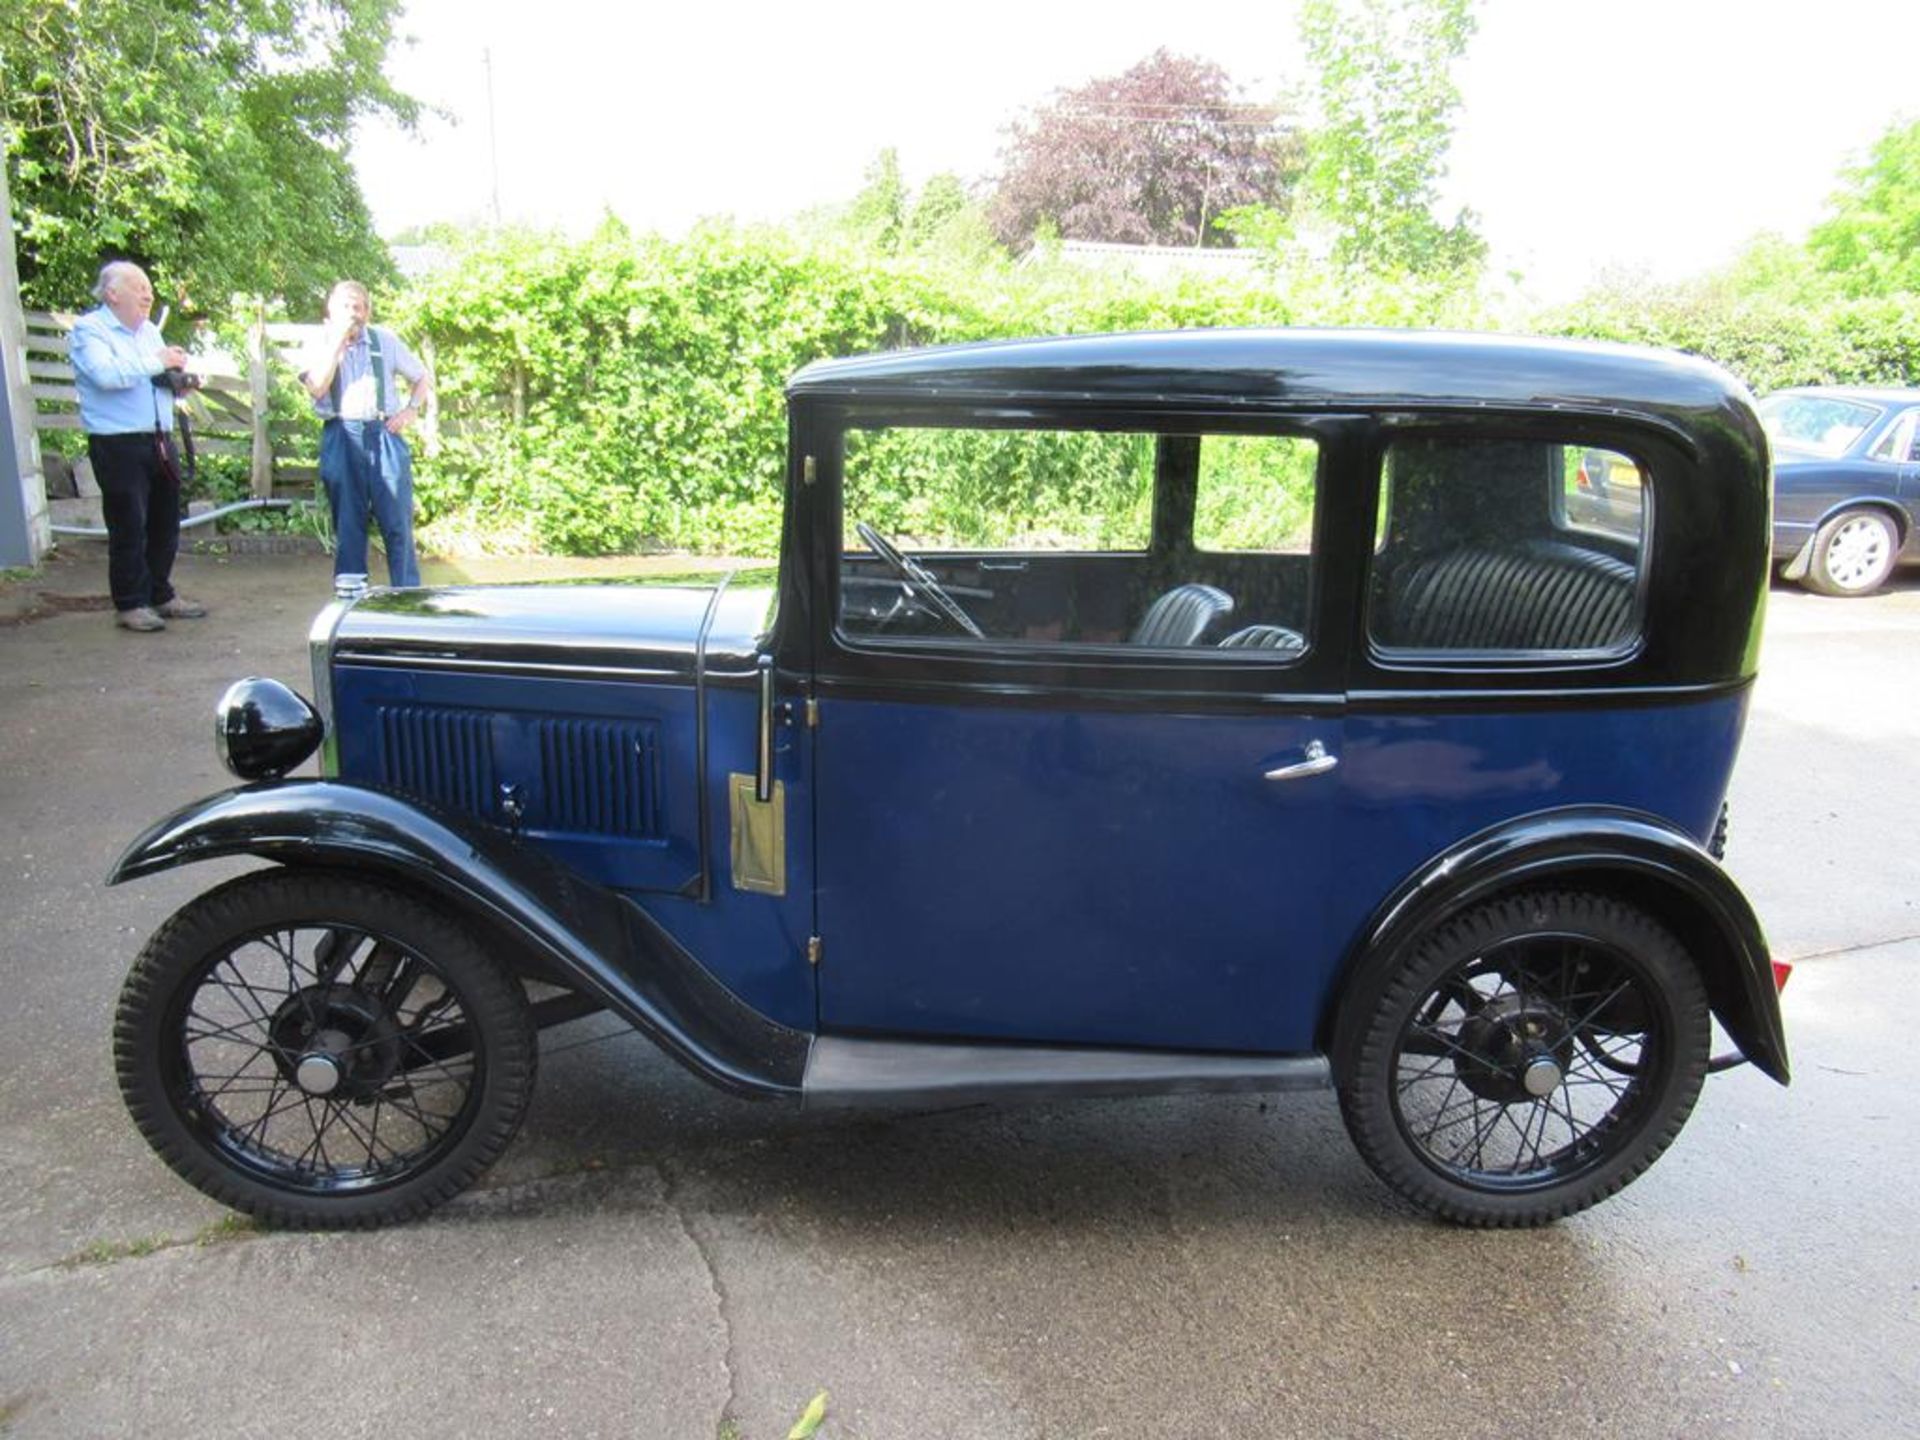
365, 469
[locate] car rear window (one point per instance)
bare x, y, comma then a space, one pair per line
1508, 548
1824, 424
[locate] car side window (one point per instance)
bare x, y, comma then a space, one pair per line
1078, 539
1509, 548
1901, 443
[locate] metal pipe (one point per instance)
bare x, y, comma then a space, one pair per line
99, 533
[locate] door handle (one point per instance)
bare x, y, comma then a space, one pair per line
1318, 762
763, 759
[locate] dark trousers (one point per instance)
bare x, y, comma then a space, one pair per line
139, 481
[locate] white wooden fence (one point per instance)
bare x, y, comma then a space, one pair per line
230, 411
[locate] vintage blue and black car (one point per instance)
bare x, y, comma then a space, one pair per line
1241, 711
1846, 484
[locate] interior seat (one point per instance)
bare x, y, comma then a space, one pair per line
1266, 637
1536, 595
1182, 616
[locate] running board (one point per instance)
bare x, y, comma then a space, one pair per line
843, 1072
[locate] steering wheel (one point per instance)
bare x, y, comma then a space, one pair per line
917, 578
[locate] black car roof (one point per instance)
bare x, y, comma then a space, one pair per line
1318, 368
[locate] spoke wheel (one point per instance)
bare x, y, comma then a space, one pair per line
318, 1050
1853, 554
1534, 1056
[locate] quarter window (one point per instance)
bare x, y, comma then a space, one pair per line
1902, 440
1255, 494
1518, 548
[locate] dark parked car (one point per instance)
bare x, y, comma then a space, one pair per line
1252, 712
1846, 484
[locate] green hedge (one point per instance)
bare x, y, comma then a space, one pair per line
619, 393
1768, 341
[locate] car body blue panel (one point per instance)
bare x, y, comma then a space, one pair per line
562, 742
1067, 876
754, 944
1110, 878
1413, 786
458, 738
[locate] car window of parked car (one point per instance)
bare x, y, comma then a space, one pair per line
1901, 443
1509, 548
1601, 491
1192, 542
1824, 424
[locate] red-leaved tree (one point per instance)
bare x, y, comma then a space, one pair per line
1150, 157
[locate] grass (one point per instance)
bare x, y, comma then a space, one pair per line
223, 1231
108, 1252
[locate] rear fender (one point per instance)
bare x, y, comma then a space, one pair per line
589, 938
1636, 857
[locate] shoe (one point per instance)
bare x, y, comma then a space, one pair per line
141, 618
181, 608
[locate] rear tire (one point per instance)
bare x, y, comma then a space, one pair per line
320, 1050
1531, 1057
1853, 554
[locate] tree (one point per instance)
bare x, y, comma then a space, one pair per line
1383, 69
1871, 244
888, 218
878, 215
941, 205
1152, 156
205, 139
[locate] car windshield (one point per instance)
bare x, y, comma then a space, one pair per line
1822, 423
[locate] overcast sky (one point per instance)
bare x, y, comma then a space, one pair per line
1656, 135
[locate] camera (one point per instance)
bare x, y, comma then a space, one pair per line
178, 381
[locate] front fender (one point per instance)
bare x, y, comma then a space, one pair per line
1635, 856
596, 941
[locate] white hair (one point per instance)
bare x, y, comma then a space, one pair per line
110, 274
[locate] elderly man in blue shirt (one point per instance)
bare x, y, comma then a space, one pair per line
126, 409
353, 371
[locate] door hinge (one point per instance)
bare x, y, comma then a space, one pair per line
813, 713
813, 950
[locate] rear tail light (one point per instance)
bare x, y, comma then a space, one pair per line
1781, 970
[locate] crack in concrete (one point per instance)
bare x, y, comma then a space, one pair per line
1852, 949
671, 1186
232, 1230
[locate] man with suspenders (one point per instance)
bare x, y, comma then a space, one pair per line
353, 372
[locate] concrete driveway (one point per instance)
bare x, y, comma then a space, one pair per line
652, 1259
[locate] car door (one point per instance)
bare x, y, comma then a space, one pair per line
1100, 819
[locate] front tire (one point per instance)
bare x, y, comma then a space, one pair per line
319, 1050
1533, 1055
1853, 554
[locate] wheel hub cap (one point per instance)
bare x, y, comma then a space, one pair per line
1858, 552
1514, 1050
1541, 1077
336, 1040
318, 1074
